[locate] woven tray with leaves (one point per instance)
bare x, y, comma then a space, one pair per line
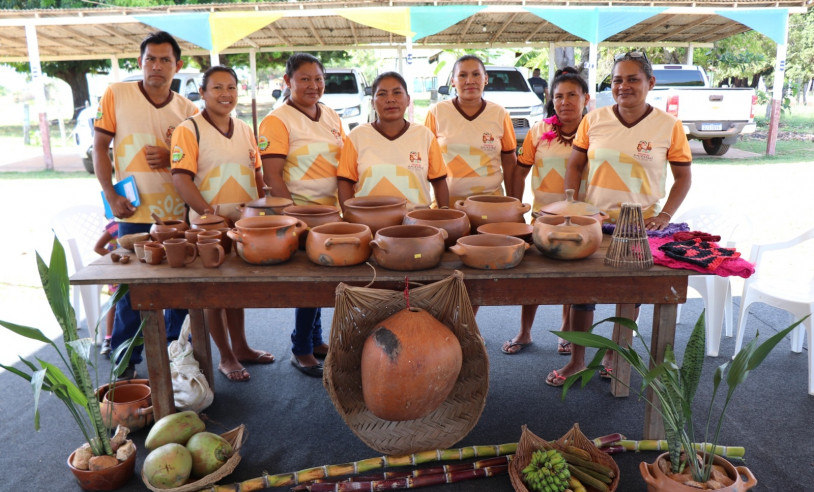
236, 438
529, 443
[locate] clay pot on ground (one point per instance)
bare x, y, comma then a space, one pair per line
267, 240
267, 205
112, 478
313, 215
408, 247
483, 209
455, 222
375, 211
658, 481
519, 230
490, 251
127, 404
572, 208
567, 238
338, 244
410, 363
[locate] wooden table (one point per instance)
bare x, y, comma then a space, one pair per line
300, 283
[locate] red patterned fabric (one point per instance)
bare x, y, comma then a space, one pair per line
686, 236
731, 267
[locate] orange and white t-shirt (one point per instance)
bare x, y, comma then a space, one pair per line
310, 147
628, 162
222, 166
131, 118
472, 147
400, 166
548, 160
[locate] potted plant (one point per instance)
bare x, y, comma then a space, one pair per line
675, 386
75, 388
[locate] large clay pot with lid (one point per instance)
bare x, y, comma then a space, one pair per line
312, 215
267, 205
658, 481
490, 251
455, 222
572, 208
408, 247
338, 244
267, 240
567, 238
483, 209
375, 211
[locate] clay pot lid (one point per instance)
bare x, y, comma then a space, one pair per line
208, 219
269, 201
569, 206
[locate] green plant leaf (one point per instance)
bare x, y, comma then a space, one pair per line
84, 348
16, 371
57, 377
763, 350
124, 352
587, 340
693, 362
28, 332
37, 380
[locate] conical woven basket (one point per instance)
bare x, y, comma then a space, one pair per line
529, 443
629, 248
358, 312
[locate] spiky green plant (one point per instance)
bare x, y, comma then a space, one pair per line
675, 386
75, 389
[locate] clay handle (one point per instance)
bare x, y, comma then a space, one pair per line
536, 214
460, 205
221, 256
457, 249
525, 207
443, 232
300, 226
751, 480
342, 240
526, 246
375, 244
234, 235
646, 475
565, 236
144, 411
189, 259
157, 219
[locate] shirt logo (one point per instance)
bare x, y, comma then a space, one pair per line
177, 154
644, 146
263, 143
99, 114
488, 141
415, 160
336, 134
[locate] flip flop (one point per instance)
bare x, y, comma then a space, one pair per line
235, 376
564, 348
263, 358
313, 371
606, 372
554, 379
507, 349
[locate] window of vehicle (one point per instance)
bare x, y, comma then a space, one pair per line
679, 78
340, 83
506, 81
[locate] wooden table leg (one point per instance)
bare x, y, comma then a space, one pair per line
623, 337
201, 348
664, 332
158, 363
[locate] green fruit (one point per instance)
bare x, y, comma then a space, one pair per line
547, 472
168, 466
209, 452
177, 428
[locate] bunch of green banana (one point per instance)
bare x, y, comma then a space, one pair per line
547, 471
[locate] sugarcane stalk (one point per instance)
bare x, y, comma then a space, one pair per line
363, 466
411, 482
655, 445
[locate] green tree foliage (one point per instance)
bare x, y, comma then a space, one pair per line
800, 59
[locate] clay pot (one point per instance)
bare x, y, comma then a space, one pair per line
410, 363
567, 238
112, 478
572, 208
483, 209
312, 215
519, 230
266, 240
268, 205
161, 233
408, 247
126, 404
490, 251
338, 244
455, 222
657, 481
209, 221
375, 211
179, 225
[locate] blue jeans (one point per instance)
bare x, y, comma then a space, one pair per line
127, 320
307, 332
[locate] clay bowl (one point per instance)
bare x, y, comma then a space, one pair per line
178, 225
567, 238
483, 209
338, 244
127, 241
266, 240
455, 222
313, 215
375, 211
408, 247
490, 251
515, 229
161, 233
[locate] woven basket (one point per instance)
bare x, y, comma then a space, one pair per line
529, 443
358, 312
236, 438
629, 248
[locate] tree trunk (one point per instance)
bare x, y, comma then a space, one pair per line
564, 56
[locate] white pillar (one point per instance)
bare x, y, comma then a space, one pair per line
39, 93
115, 74
592, 58
409, 77
552, 62
690, 53
777, 94
214, 59
253, 86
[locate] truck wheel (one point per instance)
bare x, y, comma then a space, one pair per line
88, 163
715, 146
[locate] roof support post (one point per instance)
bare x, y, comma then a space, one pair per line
39, 93
777, 94
552, 63
253, 87
214, 58
592, 58
690, 53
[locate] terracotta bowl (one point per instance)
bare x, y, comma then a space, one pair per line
129, 240
408, 247
338, 244
515, 229
266, 240
375, 211
313, 215
567, 238
455, 222
490, 251
483, 209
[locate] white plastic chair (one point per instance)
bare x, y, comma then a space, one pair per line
78, 228
735, 230
790, 289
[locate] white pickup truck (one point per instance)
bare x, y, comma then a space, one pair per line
716, 116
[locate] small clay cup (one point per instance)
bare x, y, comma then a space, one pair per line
180, 252
162, 233
211, 252
153, 253
191, 235
138, 248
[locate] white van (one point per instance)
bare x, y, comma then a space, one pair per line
186, 83
509, 87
